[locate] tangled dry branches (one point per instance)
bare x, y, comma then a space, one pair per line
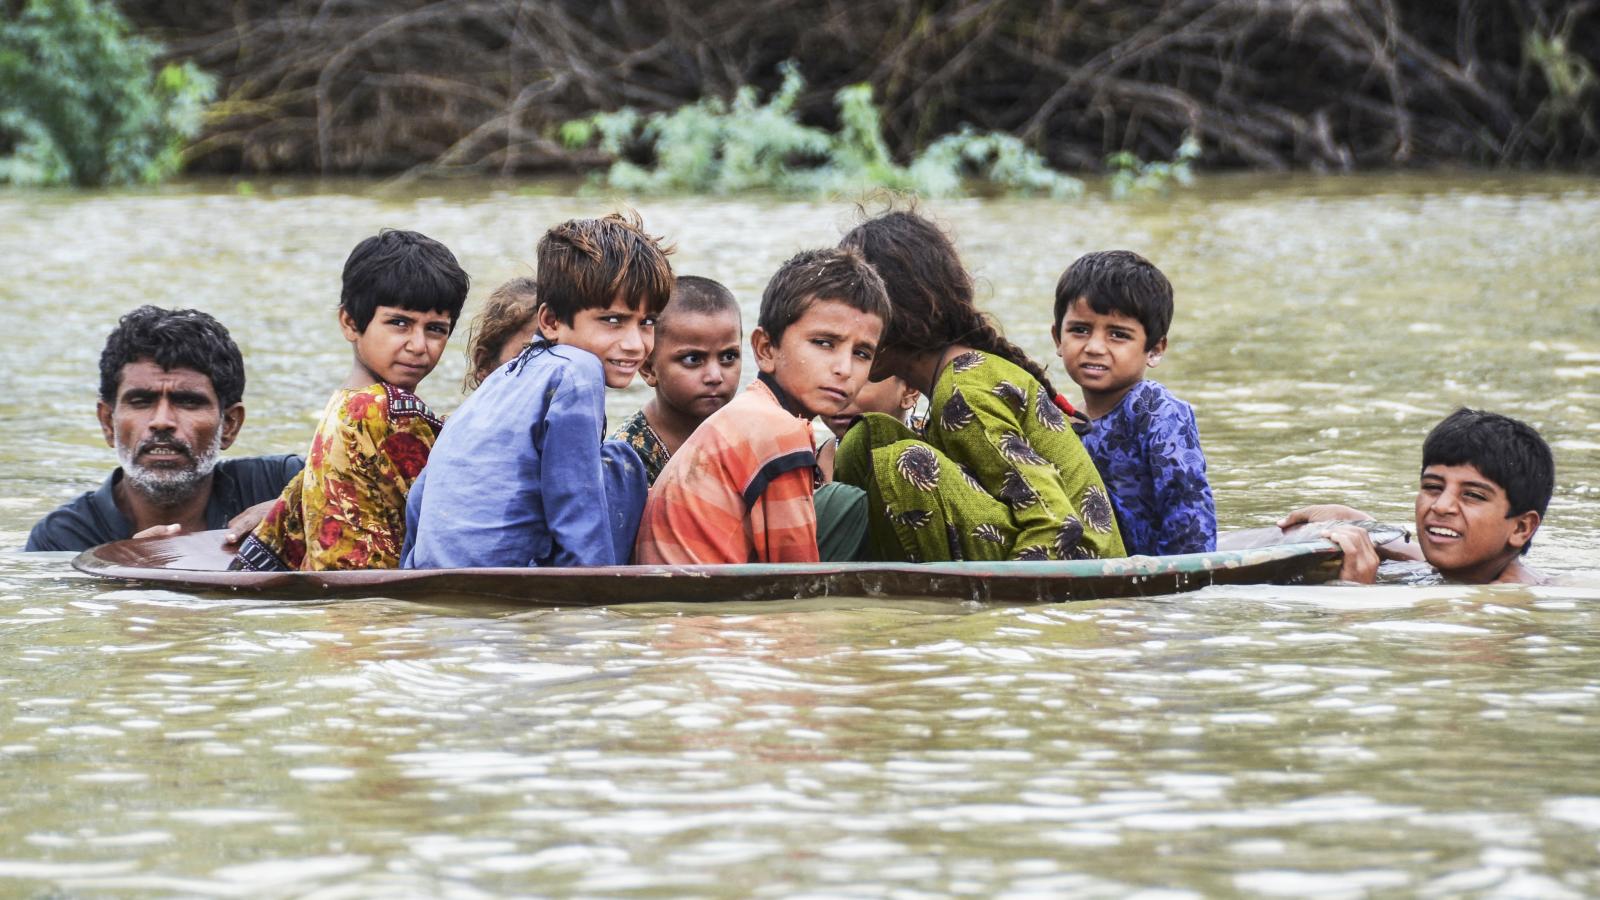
373, 86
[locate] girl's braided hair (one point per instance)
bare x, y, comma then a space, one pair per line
930, 292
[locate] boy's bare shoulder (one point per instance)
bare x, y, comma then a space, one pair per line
1519, 572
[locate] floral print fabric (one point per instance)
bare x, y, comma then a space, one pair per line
1148, 451
997, 474
346, 508
637, 433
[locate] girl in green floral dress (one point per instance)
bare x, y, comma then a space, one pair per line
999, 472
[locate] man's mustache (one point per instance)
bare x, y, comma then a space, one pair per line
167, 443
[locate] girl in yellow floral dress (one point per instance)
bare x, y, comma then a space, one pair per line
346, 510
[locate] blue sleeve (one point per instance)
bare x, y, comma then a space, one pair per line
572, 478
1186, 519
413, 514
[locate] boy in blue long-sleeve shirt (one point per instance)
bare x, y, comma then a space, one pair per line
520, 476
1111, 317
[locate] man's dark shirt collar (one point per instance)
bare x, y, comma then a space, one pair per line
224, 495
93, 518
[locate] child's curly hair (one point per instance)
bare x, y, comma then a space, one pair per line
507, 311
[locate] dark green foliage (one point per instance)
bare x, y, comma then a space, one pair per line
710, 146
82, 101
1132, 176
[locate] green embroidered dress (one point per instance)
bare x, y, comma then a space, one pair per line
998, 474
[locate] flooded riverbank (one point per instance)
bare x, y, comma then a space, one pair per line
1266, 741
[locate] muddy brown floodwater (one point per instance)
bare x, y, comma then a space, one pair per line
1400, 739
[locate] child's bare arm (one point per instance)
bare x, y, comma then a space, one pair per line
1360, 564
246, 522
1323, 512
1336, 512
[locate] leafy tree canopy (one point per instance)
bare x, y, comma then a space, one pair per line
83, 101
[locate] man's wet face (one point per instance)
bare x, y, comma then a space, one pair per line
167, 428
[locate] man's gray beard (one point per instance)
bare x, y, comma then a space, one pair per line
169, 487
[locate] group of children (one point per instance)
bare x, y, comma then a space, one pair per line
1000, 467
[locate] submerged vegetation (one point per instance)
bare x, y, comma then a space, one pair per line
1133, 177
713, 146
82, 100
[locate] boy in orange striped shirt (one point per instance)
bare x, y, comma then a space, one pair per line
741, 488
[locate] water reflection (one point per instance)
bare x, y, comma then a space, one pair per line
1243, 739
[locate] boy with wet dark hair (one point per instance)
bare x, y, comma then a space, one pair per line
401, 296
699, 295
743, 488
401, 269
1112, 312
1486, 482
171, 400
694, 369
523, 477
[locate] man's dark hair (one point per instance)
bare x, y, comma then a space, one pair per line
1508, 452
835, 273
1117, 281
402, 269
698, 295
173, 339
588, 263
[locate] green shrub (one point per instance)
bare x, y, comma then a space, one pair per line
718, 147
81, 100
1133, 177
1568, 76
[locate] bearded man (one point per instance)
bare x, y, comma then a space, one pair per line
171, 399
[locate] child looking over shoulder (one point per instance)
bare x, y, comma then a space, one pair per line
1486, 482
523, 477
346, 510
891, 397
501, 329
694, 369
1112, 312
998, 473
742, 487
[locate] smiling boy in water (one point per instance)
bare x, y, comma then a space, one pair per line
523, 477
742, 488
1112, 312
401, 297
1486, 482
694, 369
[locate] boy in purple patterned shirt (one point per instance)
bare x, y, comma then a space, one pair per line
1111, 317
